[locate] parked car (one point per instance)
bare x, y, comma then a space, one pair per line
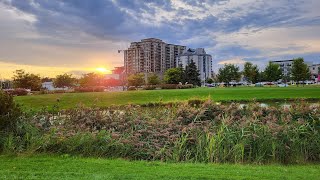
259, 84
210, 85
269, 83
282, 85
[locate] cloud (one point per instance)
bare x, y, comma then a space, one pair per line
89, 33
232, 61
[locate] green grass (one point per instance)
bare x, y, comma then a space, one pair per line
70, 100
53, 167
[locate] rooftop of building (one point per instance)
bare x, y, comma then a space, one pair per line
154, 40
290, 60
198, 51
151, 39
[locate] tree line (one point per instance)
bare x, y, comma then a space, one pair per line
22, 79
272, 72
187, 75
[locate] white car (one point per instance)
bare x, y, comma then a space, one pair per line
283, 85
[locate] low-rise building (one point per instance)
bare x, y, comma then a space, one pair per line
286, 66
315, 72
202, 60
50, 86
6, 84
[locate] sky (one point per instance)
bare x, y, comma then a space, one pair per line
51, 37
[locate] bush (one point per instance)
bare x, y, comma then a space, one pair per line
17, 92
168, 86
150, 87
132, 88
185, 86
59, 91
90, 89
9, 115
195, 131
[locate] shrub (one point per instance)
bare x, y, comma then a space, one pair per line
9, 115
90, 89
195, 131
168, 86
150, 87
59, 91
9, 112
132, 88
185, 86
17, 92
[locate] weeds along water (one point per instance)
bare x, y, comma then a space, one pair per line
194, 131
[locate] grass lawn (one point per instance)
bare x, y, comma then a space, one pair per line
53, 167
70, 100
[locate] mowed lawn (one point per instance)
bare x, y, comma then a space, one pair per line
46, 167
70, 100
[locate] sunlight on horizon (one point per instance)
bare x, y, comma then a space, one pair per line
7, 70
103, 70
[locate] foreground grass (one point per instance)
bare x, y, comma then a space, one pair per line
70, 100
47, 167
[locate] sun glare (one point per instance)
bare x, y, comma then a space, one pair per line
102, 70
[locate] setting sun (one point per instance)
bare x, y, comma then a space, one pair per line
102, 70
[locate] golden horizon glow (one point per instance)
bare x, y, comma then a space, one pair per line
7, 70
102, 70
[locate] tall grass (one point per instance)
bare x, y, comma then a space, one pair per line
195, 131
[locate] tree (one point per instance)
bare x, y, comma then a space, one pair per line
229, 73
46, 79
174, 76
262, 76
136, 80
251, 72
21, 79
91, 79
286, 78
191, 74
153, 79
272, 72
209, 81
300, 70
112, 82
64, 80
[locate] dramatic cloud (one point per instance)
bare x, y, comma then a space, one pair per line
87, 33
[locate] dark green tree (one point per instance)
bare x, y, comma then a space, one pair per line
286, 78
64, 80
9, 114
153, 79
272, 72
21, 79
209, 81
251, 72
300, 70
228, 73
191, 74
136, 80
174, 76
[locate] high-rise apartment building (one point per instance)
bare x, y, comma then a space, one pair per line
151, 55
202, 60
